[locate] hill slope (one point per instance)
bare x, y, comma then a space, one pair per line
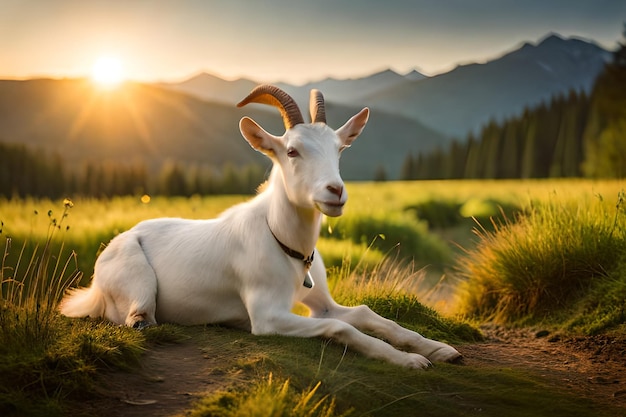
145, 122
213, 88
134, 122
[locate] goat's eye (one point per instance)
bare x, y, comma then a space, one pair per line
292, 153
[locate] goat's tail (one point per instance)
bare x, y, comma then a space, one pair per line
83, 302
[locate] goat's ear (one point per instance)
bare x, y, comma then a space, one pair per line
257, 137
353, 127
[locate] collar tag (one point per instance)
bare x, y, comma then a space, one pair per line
308, 280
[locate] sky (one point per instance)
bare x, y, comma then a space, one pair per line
284, 40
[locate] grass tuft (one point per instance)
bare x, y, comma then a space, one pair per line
31, 288
563, 253
267, 398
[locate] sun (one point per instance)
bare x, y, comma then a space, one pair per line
107, 72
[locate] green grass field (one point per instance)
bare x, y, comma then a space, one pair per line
435, 256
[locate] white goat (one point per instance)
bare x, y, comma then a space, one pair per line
248, 267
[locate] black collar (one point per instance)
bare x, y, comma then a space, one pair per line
294, 253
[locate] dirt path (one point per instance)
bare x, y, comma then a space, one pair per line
592, 367
175, 375
172, 376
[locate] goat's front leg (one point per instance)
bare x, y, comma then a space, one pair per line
268, 318
363, 318
322, 305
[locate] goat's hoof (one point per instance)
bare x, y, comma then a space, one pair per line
417, 361
446, 354
142, 324
459, 360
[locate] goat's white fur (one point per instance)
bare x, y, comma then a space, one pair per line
231, 270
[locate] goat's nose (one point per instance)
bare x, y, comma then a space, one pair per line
335, 189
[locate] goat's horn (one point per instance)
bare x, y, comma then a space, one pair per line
274, 96
316, 104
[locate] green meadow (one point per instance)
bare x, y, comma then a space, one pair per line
441, 257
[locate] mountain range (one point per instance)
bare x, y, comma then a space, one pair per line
453, 103
467, 97
195, 121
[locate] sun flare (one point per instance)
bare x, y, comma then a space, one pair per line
107, 72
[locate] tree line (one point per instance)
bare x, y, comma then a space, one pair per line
542, 142
35, 173
572, 135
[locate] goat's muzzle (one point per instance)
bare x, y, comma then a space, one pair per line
331, 208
